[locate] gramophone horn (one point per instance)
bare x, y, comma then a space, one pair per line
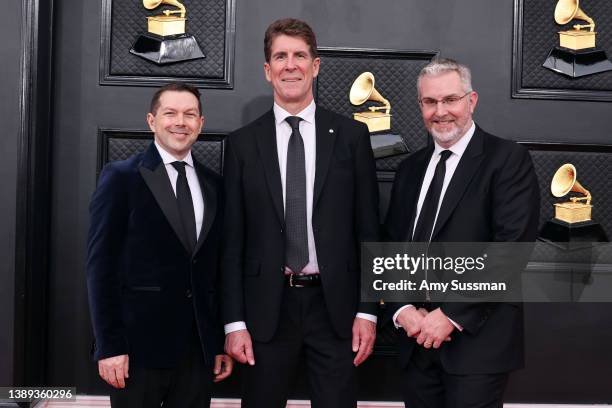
363, 90
567, 10
565, 181
151, 4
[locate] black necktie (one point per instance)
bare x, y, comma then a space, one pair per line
296, 238
425, 224
185, 204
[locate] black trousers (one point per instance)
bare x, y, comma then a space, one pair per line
304, 330
188, 385
425, 384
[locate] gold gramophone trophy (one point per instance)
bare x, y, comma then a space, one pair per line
576, 54
572, 222
384, 144
362, 91
166, 41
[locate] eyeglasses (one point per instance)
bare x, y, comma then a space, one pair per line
447, 101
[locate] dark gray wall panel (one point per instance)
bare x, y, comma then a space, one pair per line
478, 32
10, 55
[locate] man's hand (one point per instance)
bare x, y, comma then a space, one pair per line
239, 346
410, 319
223, 367
435, 329
114, 370
364, 335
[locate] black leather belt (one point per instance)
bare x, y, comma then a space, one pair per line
303, 280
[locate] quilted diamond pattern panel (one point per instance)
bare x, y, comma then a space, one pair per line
206, 21
395, 79
119, 145
593, 171
540, 35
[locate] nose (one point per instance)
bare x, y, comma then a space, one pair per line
440, 108
290, 63
179, 120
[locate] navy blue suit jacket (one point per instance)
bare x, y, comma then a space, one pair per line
145, 288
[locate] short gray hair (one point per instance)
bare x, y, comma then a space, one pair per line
440, 66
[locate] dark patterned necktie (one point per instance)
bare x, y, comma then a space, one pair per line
296, 235
427, 217
185, 204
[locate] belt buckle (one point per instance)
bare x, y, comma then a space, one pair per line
291, 284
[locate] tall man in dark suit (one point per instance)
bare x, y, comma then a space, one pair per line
466, 186
153, 248
301, 195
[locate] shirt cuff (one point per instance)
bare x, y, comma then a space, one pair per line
368, 316
234, 326
395, 323
454, 323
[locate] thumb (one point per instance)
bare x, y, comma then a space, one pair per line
248, 349
356, 339
126, 368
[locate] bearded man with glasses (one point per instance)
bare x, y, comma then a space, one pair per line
466, 186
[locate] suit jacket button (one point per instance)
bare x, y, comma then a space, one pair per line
188, 294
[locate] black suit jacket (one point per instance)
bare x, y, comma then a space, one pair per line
492, 197
345, 212
144, 286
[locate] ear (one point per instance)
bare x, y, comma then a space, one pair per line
267, 71
151, 121
201, 124
473, 101
315, 66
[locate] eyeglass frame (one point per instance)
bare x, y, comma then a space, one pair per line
444, 101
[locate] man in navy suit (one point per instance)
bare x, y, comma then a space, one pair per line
466, 186
152, 265
301, 195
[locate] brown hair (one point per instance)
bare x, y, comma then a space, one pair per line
177, 87
291, 27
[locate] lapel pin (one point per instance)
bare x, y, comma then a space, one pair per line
331, 130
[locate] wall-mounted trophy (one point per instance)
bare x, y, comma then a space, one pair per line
166, 41
384, 144
362, 91
576, 54
572, 224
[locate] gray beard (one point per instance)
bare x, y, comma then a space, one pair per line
446, 137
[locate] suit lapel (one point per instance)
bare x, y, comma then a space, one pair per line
266, 144
468, 165
326, 136
154, 173
209, 196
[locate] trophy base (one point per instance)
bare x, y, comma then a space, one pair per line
376, 121
387, 145
167, 50
577, 63
577, 39
572, 236
573, 212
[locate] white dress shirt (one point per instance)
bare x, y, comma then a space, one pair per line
309, 136
192, 181
457, 151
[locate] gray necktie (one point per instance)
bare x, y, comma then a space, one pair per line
296, 235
